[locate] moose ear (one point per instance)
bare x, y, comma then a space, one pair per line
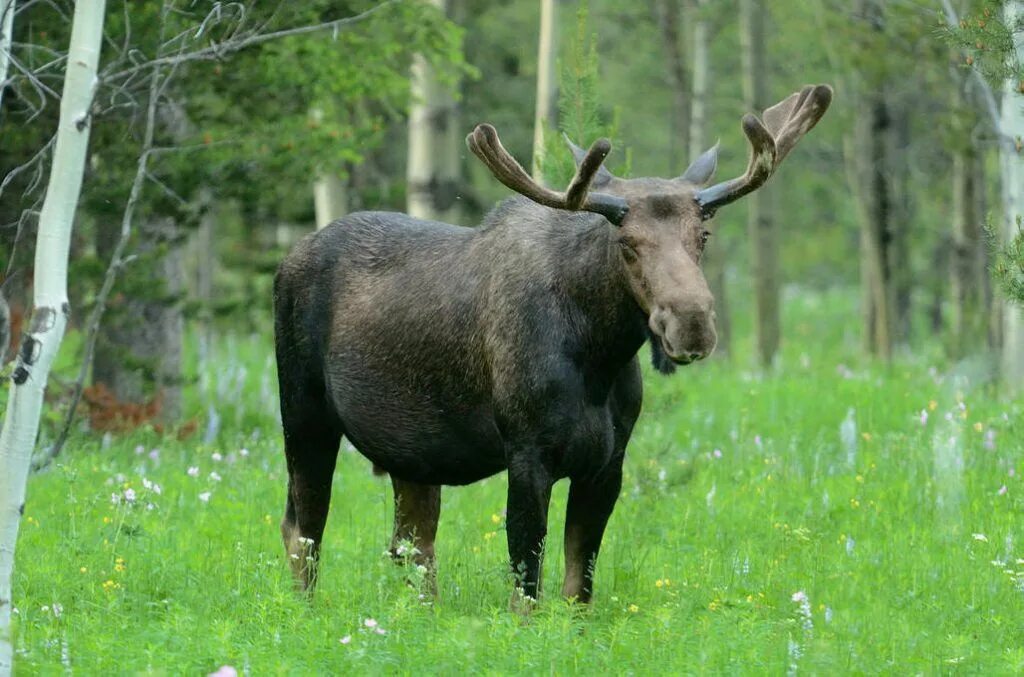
602, 177
703, 168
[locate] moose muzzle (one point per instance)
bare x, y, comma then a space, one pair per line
686, 328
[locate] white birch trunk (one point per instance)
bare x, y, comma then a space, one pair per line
546, 88
1011, 126
50, 313
330, 191
419, 167
432, 169
330, 199
699, 89
6, 36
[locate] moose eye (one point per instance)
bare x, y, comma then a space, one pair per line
704, 235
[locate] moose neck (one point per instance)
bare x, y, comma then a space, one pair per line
611, 324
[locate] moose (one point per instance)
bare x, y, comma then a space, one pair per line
447, 354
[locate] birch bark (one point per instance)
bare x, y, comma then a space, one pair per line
6, 35
1011, 153
50, 313
433, 160
547, 88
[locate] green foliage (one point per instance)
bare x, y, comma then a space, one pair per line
257, 125
1008, 268
986, 42
582, 117
907, 558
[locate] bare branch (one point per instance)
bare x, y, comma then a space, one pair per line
117, 262
20, 224
236, 44
34, 160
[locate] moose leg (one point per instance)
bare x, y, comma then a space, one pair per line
529, 494
590, 505
311, 450
417, 509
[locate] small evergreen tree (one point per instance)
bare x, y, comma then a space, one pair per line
580, 115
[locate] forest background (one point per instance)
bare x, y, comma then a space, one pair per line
887, 250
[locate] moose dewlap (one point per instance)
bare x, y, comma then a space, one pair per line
448, 354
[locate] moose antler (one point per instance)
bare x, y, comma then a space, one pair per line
484, 143
770, 141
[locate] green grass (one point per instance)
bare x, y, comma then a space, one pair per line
906, 549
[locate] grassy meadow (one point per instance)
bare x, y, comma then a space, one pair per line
832, 516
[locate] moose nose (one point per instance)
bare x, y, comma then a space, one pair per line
686, 329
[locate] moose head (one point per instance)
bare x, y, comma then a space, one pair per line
662, 224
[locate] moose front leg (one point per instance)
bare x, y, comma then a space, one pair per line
591, 502
529, 494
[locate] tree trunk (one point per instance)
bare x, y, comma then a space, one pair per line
1012, 160
714, 264
205, 253
330, 198
867, 162
668, 12
6, 36
330, 191
138, 355
760, 220
969, 316
547, 83
51, 310
433, 161
901, 205
870, 130
937, 286
699, 80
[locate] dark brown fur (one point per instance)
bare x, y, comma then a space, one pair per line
447, 354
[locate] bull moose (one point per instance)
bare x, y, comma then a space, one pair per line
448, 354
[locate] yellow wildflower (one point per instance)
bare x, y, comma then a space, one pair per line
932, 405
119, 564
496, 519
978, 427
633, 608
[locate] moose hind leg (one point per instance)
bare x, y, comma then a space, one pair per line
311, 450
417, 510
590, 505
